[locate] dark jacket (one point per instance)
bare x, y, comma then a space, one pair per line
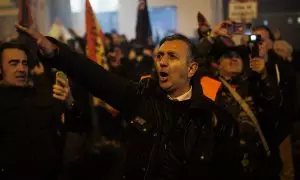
265, 99
29, 119
287, 85
271, 102
287, 81
208, 145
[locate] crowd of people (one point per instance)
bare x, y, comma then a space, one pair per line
172, 111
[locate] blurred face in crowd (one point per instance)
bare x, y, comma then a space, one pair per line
175, 67
107, 42
266, 44
14, 67
115, 57
283, 49
231, 65
147, 52
282, 52
132, 54
116, 39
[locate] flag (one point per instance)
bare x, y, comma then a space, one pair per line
95, 47
143, 26
25, 18
94, 37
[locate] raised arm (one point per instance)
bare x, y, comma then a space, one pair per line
115, 90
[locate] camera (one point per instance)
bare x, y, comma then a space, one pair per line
254, 38
236, 28
253, 42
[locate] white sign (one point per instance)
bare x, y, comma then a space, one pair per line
243, 11
78, 6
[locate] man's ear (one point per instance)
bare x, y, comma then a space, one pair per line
193, 67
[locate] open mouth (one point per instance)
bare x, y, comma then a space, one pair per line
21, 77
163, 76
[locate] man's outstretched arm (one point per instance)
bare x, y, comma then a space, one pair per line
117, 91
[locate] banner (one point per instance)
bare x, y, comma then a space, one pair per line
95, 48
143, 26
25, 17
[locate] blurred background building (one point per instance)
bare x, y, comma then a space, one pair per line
166, 16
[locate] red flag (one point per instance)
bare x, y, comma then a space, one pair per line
94, 37
25, 18
95, 48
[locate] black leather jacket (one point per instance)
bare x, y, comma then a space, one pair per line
29, 120
209, 143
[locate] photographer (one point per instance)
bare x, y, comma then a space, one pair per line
261, 97
285, 75
244, 88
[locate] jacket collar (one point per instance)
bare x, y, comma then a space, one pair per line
198, 100
183, 97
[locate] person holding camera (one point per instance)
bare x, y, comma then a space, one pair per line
242, 85
282, 70
284, 74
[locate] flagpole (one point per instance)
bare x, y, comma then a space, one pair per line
25, 19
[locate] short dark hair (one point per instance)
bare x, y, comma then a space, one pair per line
193, 52
13, 45
266, 28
